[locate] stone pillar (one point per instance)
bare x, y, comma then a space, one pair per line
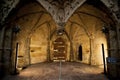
48, 45
7, 51
48, 52
71, 52
71, 43
118, 38
26, 56
28, 50
113, 44
2, 32
90, 56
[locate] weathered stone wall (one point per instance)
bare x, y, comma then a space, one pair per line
38, 45
34, 16
86, 30
38, 32
37, 27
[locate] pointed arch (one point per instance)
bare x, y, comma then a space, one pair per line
69, 8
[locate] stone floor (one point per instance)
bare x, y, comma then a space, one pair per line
51, 71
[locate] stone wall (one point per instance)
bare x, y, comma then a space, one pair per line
38, 31
37, 27
29, 23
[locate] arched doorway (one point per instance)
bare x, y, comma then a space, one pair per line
80, 53
59, 52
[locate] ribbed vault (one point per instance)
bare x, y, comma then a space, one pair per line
60, 10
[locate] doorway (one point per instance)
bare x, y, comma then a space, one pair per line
80, 53
59, 49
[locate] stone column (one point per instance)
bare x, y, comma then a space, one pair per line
118, 38
2, 32
26, 57
71, 52
113, 43
7, 50
48, 52
71, 43
48, 44
90, 56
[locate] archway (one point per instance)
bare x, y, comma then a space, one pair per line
80, 53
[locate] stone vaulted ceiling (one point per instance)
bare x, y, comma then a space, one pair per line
60, 10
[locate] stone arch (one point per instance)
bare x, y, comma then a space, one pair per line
29, 22
111, 5
90, 24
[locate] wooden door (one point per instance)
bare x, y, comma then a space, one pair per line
59, 49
